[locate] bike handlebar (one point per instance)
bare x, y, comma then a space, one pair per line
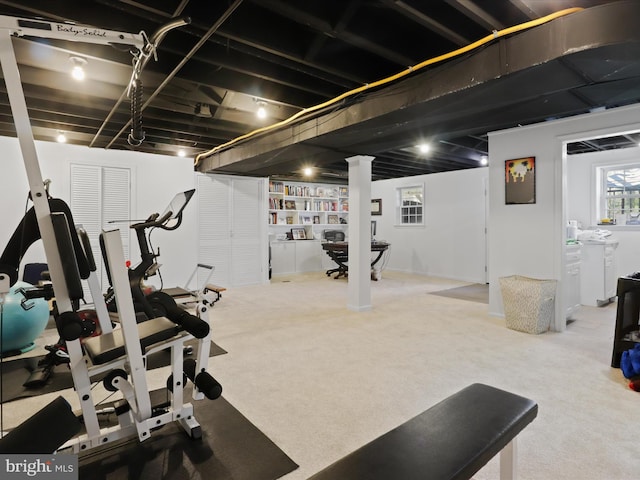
153, 221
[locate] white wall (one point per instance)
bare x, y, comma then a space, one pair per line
581, 187
529, 239
155, 180
452, 242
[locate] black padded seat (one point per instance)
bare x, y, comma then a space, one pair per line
177, 292
450, 441
109, 346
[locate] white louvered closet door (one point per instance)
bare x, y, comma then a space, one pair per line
214, 226
247, 238
232, 230
98, 196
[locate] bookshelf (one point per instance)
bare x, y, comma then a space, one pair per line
313, 207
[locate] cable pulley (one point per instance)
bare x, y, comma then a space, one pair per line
136, 136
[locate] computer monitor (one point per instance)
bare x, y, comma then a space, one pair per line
177, 204
334, 235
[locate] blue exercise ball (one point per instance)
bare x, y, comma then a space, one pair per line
22, 323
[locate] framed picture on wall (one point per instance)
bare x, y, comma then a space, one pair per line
520, 181
376, 206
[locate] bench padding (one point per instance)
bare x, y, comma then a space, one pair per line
109, 346
452, 440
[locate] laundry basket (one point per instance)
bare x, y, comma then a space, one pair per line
529, 303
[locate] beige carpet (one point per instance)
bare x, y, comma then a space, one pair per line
320, 380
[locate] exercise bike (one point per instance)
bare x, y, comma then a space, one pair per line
149, 303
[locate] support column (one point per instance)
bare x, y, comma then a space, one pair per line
359, 285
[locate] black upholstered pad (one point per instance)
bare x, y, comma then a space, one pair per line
451, 440
109, 346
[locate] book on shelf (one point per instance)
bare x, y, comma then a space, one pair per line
275, 203
275, 187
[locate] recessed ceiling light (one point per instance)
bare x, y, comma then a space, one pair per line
61, 138
424, 148
307, 171
484, 160
77, 71
182, 153
262, 111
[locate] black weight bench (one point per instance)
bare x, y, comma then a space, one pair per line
110, 346
452, 440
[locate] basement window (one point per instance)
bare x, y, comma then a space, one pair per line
409, 210
620, 194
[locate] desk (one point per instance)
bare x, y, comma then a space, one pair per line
339, 253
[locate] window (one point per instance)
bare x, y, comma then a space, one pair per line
620, 197
410, 200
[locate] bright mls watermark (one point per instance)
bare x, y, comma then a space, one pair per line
50, 467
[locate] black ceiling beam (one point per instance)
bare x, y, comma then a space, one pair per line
477, 14
294, 64
341, 79
465, 147
321, 38
524, 8
300, 16
436, 27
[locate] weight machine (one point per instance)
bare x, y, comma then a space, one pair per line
118, 354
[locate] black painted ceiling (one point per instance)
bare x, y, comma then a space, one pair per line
290, 55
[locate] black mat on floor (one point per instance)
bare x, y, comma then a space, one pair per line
231, 448
477, 292
16, 372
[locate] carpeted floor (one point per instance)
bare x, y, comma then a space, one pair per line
476, 292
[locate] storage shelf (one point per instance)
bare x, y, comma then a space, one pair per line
312, 201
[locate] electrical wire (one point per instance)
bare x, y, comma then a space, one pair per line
440, 58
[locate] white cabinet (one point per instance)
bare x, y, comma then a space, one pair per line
598, 277
283, 257
571, 288
295, 256
308, 257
